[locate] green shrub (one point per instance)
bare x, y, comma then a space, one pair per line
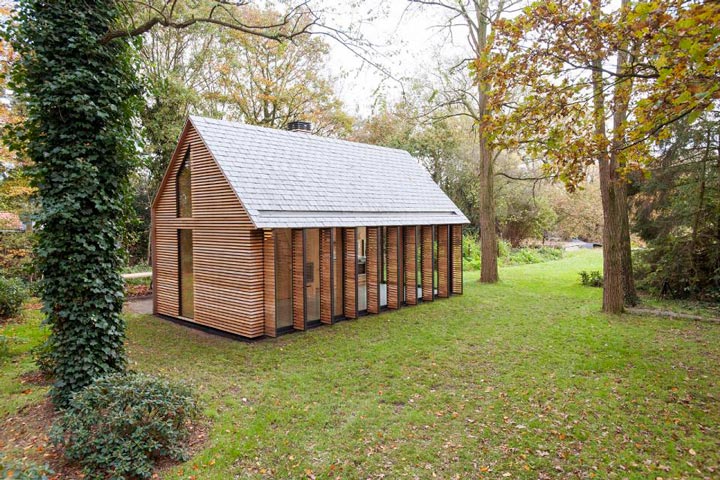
471, 251
504, 248
119, 425
523, 256
591, 279
16, 255
12, 295
43, 358
23, 470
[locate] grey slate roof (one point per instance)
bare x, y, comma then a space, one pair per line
298, 180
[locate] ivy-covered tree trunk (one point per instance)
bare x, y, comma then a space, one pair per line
78, 133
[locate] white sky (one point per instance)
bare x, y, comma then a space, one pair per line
407, 45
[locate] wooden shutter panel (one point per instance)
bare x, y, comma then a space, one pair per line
350, 273
427, 262
326, 276
457, 259
373, 269
443, 233
393, 273
410, 251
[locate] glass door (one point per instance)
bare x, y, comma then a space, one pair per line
362, 269
312, 274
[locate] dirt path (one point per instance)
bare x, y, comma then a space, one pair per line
142, 305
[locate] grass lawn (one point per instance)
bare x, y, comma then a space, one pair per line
523, 379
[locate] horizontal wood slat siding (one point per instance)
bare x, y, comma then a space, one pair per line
410, 249
269, 279
393, 268
227, 249
457, 259
326, 275
427, 262
350, 275
443, 251
298, 284
373, 270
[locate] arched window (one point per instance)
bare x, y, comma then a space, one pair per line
183, 190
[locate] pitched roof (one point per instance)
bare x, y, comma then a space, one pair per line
297, 180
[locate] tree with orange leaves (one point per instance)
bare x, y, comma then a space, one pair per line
599, 85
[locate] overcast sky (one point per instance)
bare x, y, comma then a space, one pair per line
406, 45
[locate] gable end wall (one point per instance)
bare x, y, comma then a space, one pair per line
227, 248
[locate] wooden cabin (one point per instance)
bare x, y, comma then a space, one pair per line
258, 231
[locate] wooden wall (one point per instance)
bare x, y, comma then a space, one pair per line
326, 276
350, 263
227, 249
427, 255
373, 269
456, 240
410, 249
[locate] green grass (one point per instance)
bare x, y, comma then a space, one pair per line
24, 334
525, 377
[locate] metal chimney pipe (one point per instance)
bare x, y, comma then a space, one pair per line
299, 126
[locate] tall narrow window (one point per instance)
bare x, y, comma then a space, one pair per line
383, 266
283, 278
187, 283
184, 191
312, 274
362, 268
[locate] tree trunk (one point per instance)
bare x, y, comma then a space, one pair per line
628, 277
623, 91
488, 235
486, 200
613, 298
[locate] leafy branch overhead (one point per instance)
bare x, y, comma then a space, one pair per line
142, 16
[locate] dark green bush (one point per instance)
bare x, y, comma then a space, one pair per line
591, 279
119, 425
12, 295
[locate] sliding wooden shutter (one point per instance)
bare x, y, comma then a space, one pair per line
456, 240
298, 283
443, 240
350, 273
326, 275
410, 250
373, 270
394, 262
427, 262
